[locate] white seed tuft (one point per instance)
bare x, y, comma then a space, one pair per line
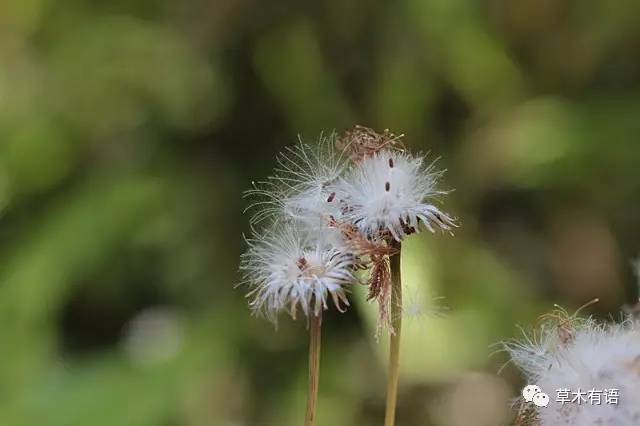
392, 191
289, 269
583, 355
302, 187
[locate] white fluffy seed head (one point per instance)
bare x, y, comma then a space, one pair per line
583, 355
289, 269
392, 191
302, 188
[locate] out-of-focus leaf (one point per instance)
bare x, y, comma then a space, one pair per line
117, 73
72, 237
289, 62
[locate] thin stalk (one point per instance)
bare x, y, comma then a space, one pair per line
394, 347
315, 328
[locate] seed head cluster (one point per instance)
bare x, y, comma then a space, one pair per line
577, 356
330, 210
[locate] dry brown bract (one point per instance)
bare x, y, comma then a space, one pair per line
527, 415
373, 253
564, 322
361, 142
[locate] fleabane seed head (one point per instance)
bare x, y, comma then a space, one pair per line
391, 190
288, 269
588, 357
302, 187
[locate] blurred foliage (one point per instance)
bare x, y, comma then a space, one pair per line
128, 131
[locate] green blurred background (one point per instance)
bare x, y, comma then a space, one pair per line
129, 129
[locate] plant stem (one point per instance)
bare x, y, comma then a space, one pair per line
314, 367
394, 347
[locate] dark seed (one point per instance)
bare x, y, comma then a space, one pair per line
391, 162
331, 197
302, 263
387, 186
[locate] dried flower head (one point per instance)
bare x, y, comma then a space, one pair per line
302, 187
391, 191
372, 253
361, 245
362, 142
582, 355
289, 269
328, 218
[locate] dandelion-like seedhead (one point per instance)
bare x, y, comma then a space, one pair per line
288, 270
302, 187
417, 307
331, 209
391, 191
583, 354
